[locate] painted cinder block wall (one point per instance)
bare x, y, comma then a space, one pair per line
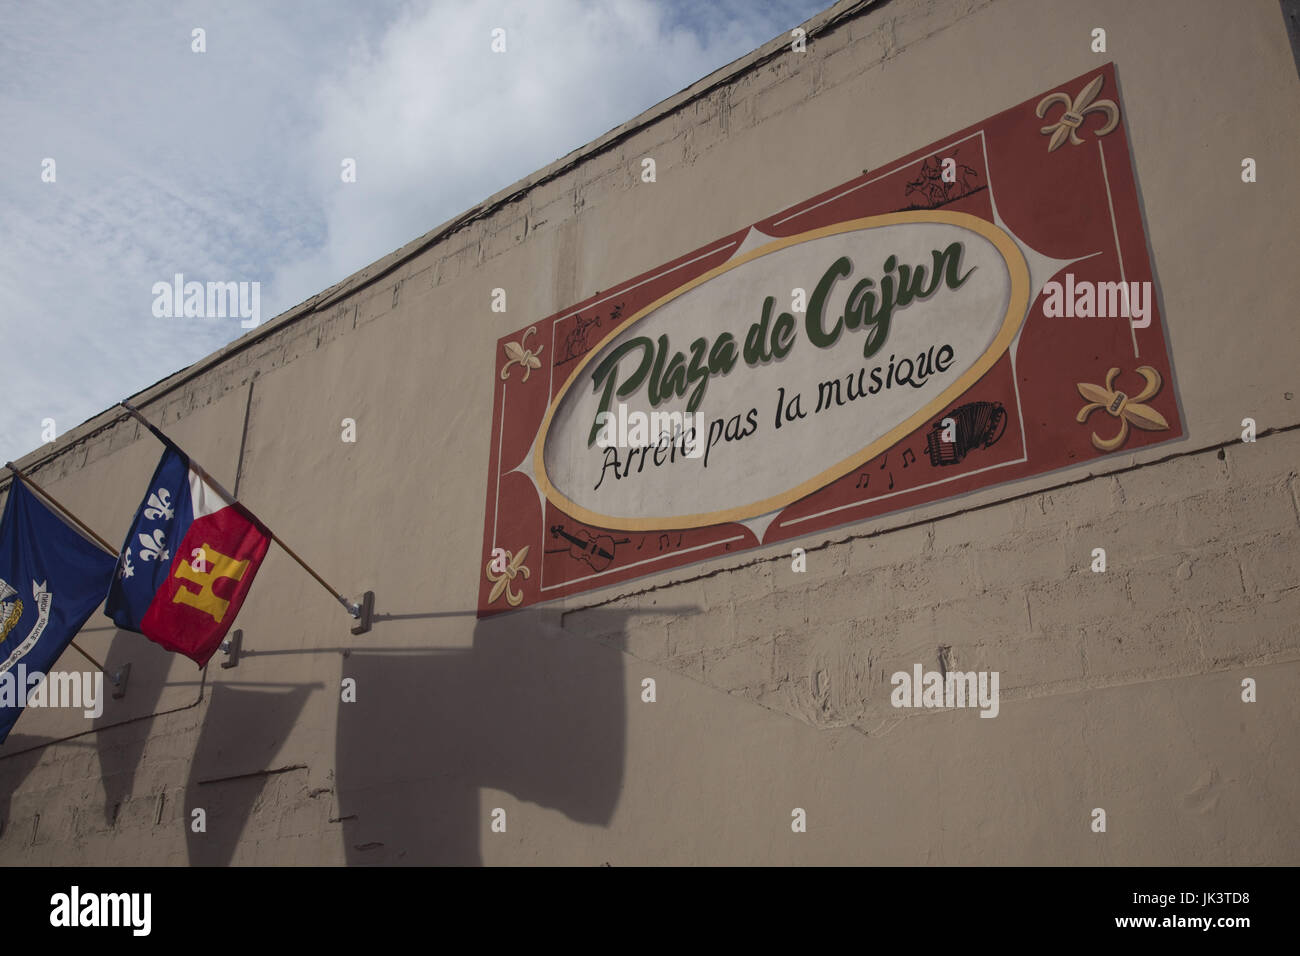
1119, 690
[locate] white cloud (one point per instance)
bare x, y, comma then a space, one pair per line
225, 165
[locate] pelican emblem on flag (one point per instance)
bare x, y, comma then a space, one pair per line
10, 611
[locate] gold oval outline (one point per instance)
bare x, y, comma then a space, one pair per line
1017, 310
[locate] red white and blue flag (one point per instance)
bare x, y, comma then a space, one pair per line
188, 561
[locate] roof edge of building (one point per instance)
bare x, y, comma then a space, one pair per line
831, 18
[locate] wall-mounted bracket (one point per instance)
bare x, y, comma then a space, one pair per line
365, 613
231, 647
119, 679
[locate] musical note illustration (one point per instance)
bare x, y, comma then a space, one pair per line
906, 452
639, 546
891, 481
884, 461
679, 541
663, 541
864, 480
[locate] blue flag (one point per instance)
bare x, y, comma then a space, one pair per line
51, 580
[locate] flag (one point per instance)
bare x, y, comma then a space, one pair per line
51, 580
188, 561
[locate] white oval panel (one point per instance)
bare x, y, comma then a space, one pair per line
770, 467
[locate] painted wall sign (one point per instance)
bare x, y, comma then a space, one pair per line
979, 311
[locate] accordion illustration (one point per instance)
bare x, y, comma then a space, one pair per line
978, 425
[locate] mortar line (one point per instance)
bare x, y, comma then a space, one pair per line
919, 522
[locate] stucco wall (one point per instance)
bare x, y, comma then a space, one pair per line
1120, 690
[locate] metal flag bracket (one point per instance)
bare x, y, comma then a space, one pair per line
119, 679
364, 612
231, 647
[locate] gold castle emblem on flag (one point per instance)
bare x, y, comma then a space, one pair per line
10, 611
212, 564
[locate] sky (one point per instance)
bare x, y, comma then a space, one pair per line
226, 165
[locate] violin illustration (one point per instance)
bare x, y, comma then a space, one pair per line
596, 550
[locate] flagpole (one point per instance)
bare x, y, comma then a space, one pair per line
54, 501
20, 475
87, 656
355, 610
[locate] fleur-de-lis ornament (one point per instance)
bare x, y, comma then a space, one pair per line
1118, 405
154, 547
522, 357
502, 580
160, 505
1072, 118
128, 569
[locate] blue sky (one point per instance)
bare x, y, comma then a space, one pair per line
224, 165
